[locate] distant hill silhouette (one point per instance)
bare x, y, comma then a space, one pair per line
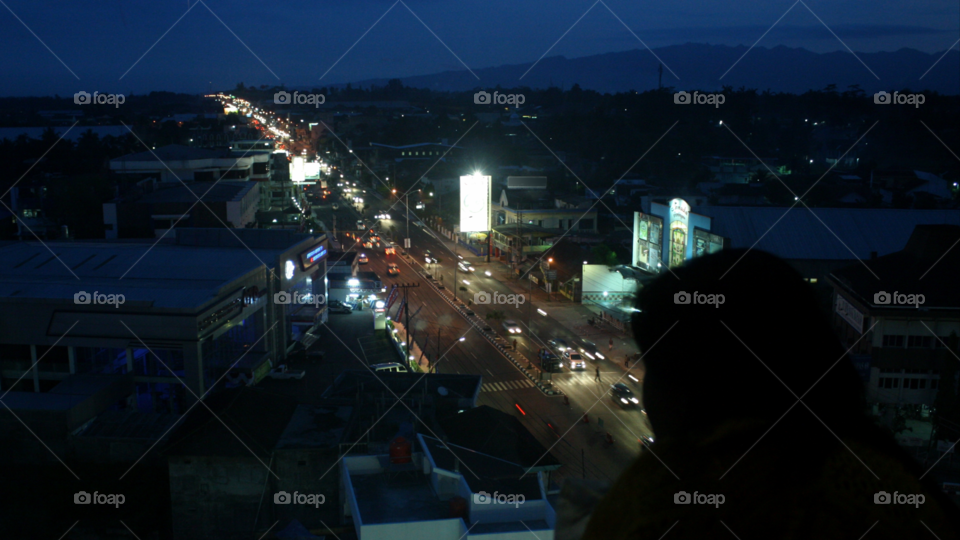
699, 67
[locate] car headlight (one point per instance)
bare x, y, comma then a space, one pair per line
623, 400
600, 356
635, 400
588, 355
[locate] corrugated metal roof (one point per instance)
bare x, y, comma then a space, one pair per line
821, 233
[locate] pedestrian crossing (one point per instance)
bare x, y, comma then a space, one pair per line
506, 385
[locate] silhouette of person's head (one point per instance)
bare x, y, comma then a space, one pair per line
724, 337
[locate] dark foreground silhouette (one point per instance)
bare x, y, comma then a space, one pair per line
736, 451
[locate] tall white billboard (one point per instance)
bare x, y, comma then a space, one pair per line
297, 169
475, 203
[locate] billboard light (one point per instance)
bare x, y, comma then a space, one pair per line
475, 203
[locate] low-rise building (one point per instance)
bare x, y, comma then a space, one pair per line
900, 316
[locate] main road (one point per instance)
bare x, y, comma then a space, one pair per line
580, 446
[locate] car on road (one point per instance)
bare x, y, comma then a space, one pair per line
549, 361
590, 350
511, 326
363, 259
429, 259
574, 360
393, 269
558, 344
464, 266
622, 394
335, 206
360, 224
368, 244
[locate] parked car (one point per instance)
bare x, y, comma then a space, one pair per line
363, 259
393, 269
511, 326
623, 396
389, 367
574, 360
342, 309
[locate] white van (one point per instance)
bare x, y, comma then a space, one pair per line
390, 367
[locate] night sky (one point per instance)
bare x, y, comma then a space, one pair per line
217, 44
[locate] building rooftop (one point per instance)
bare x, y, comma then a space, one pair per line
208, 191
313, 426
257, 418
397, 498
176, 152
498, 434
483, 472
929, 265
187, 271
799, 234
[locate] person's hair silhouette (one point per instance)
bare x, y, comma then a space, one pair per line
751, 396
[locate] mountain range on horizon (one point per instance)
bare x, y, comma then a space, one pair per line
694, 66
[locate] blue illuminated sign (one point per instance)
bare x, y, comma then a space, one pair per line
312, 257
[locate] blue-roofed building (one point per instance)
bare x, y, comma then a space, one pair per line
184, 317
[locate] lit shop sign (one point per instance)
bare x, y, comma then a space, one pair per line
312, 256
289, 269
847, 312
679, 226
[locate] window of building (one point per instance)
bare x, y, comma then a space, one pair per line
921, 342
892, 340
888, 382
923, 383
586, 224
934, 384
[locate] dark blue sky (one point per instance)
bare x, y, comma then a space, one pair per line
298, 41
